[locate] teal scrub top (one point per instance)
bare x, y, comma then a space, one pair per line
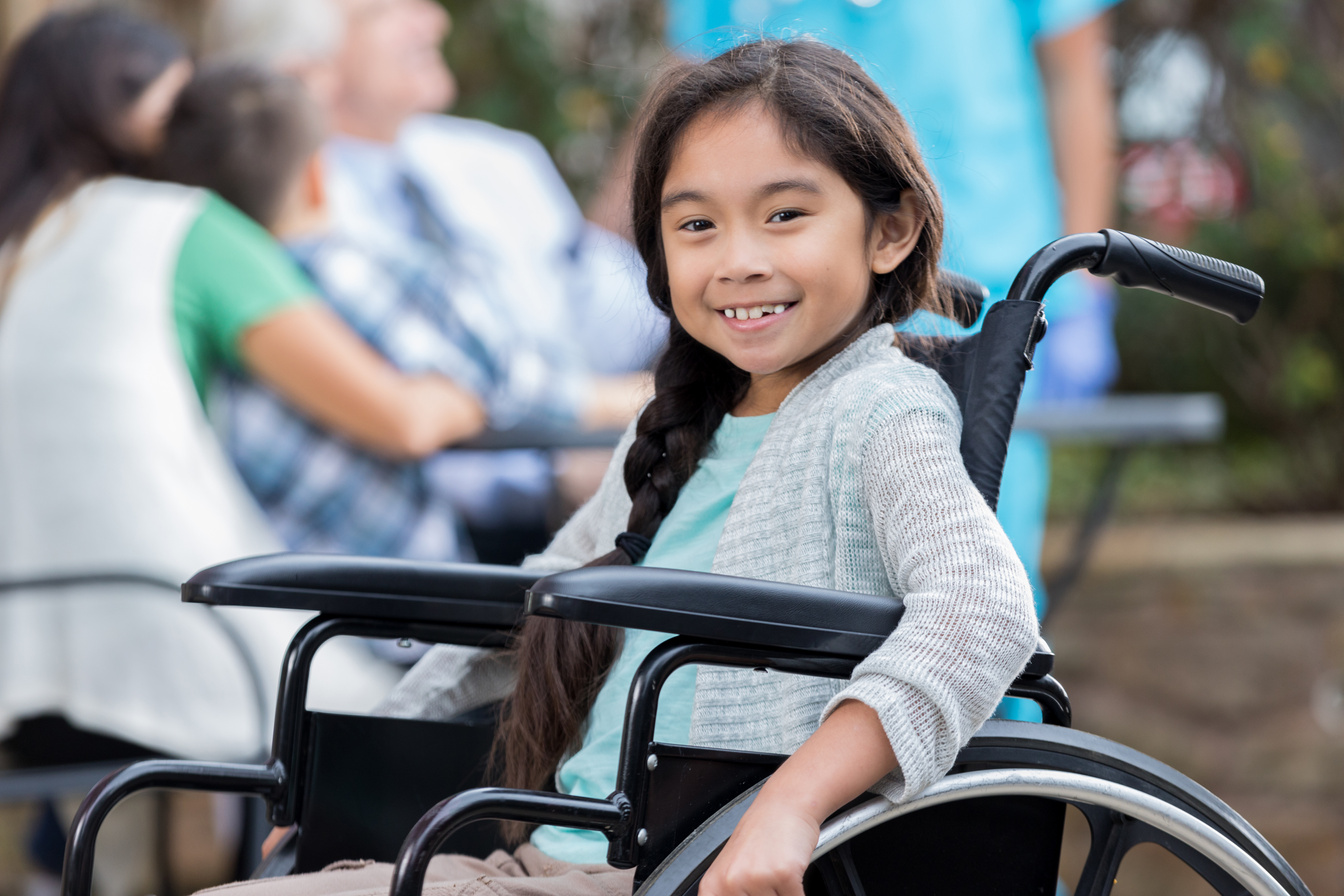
964, 74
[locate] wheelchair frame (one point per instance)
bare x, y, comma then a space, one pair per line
1013, 776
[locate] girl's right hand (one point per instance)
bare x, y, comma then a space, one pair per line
768, 852
773, 843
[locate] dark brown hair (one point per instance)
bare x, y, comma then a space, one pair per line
828, 109
243, 132
66, 90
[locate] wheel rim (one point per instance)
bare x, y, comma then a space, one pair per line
1016, 748
1071, 788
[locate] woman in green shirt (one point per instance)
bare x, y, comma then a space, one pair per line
69, 118
119, 299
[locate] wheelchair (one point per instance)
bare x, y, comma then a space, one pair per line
349, 786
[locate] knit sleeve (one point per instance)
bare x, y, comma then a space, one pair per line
969, 624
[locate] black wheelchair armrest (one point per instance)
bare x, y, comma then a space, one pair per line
728, 608
719, 608
367, 587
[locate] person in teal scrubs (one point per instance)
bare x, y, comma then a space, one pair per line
1011, 103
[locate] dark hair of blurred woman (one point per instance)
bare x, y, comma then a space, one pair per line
81, 98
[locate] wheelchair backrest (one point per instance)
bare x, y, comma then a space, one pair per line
986, 371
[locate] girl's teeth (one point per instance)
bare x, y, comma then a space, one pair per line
753, 313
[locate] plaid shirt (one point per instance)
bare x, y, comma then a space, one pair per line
425, 312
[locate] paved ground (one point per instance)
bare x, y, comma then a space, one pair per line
1230, 670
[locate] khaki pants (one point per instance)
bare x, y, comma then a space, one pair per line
527, 872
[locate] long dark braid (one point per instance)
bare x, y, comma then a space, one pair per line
562, 665
828, 109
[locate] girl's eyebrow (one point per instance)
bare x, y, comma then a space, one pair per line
785, 186
672, 199
764, 192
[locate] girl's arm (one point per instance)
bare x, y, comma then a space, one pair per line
773, 843
318, 364
968, 628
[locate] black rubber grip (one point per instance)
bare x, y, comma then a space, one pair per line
1208, 282
967, 296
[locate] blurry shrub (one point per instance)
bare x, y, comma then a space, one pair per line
1277, 107
569, 72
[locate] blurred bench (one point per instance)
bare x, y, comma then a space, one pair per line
1120, 423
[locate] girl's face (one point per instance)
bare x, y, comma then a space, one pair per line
770, 258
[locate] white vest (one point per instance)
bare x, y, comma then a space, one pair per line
108, 465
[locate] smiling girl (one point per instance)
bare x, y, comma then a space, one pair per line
787, 223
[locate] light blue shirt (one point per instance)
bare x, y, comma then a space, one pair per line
687, 539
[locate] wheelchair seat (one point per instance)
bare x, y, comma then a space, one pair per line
1002, 805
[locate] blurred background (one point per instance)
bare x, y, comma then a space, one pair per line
1208, 628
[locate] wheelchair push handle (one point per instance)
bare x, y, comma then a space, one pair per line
1208, 282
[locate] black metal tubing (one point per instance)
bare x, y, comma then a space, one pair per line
273, 781
1049, 695
91, 578
1070, 253
610, 816
641, 710
267, 781
292, 721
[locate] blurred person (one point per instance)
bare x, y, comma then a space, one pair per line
253, 136
119, 299
458, 186
1011, 102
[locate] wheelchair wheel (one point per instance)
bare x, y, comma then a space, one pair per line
1014, 781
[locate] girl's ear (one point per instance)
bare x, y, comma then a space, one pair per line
895, 234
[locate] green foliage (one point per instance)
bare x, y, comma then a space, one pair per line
572, 80
1282, 113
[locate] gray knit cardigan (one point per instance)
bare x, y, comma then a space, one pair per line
857, 486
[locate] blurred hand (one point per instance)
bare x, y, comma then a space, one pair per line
614, 401
1077, 359
578, 473
273, 840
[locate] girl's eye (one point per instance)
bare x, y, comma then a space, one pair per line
696, 226
787, 214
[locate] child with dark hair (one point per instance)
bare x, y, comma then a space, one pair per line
253, 136
787, 222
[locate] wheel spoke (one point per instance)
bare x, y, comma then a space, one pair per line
1114, 835
838, 873
1222, 882
1108, 847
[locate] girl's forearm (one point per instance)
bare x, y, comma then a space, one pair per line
772, 845
848, 754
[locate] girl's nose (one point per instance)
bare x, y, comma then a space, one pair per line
744, 260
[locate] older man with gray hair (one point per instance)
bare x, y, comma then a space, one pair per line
454, 185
